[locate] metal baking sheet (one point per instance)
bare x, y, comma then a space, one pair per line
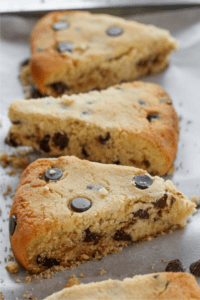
181, 81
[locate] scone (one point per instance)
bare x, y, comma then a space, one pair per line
74, 51
160, 286
67, 211
131, 124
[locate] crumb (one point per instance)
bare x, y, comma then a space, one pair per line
132, 274
102, 271
5, 258
28, 279
164, 260
8, 192
2, 280
18, 161
29, 296
81, 275
171, 170
12, 267
152, 267
10, 257
119, 275
194, 199
11, 173
18, 280
72, 281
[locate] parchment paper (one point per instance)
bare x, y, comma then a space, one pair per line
181, 81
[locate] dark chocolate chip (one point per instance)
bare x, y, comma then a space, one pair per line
25, 62
61, 140
16, 122
80, 204
114, 31
44, 143
85, 112
161, 203
143, 181
117, 162
103, 140
142, 102
59, 87
94, 187
35, 93
142, 214
146, 163
47, 262
84, 152
13, 224
120, 235
91, 236
11, 141
60, 25
143, 63
53, 174
152, 116
195, 268
174, 266
156, 276
65, 46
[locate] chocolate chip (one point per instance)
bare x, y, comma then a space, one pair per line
94, 187
80, 204
13, 224
61, 140
11, 141
85, 112
91, 236
152, 116
143, 63
47, 262
142, 102
103, 140
161, 203
35, 93
146, 163
172, 201
53, 174
84, 152
25, 62
117, 162
143, 181
16, 122
174, 266
120, 235
156, 276
65, 46
44, 143
195, 268
114, 31
59, 87
60, 25
142, 214
90, 102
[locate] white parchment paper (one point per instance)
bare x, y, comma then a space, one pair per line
181, 81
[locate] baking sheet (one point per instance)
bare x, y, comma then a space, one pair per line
181, 81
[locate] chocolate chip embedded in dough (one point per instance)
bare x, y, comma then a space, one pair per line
142, 214
142, 102
65, 46
25, 62
35, 93
152, 116
80, 204
120, 235
53, 174
61, 140
103, 140
195, 268
16, 122
84, 152
143, 181
44, 143
91, 236
94, 187
10, 140
47, 262
156, 276
13, 224
174, 266
59, 87
60, 25
114, 31
161, 203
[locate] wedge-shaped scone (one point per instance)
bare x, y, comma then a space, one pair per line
160, 286
73, 52
131, 124
68, 211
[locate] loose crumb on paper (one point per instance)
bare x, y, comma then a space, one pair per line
12, 267
102, 271
8, 192
72, 281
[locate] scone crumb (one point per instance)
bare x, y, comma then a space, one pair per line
81, 275
20, 160
52, 172
102, 271
29, 296
18, 280
10, 257
65, 100
12, 267
103, 192
11, 173
152, 267
46, 188
28, 279
72, 281
132, 274
8, 192
194, 199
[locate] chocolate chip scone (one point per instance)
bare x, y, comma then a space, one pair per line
161, 286
131, 124
67, 211
73, 52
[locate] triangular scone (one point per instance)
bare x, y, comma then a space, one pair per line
160, 286
73, 52
68, 211
131, 124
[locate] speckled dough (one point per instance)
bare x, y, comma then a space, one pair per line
96, 60
131, 124
45, 229
161, 286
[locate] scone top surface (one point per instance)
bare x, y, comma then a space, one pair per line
88, 41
